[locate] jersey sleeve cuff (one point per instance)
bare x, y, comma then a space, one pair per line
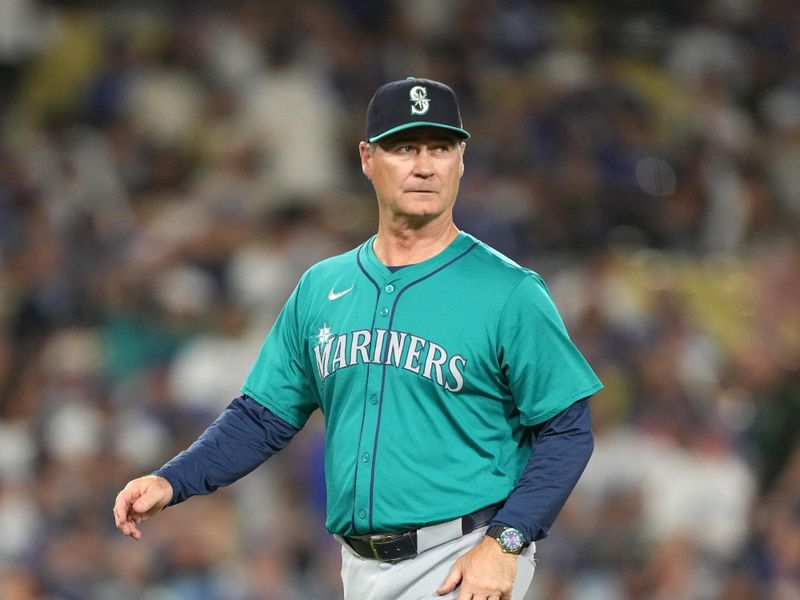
530, 421
291, 418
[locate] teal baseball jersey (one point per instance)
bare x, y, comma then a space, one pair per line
428, 378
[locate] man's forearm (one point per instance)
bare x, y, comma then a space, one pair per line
239, 440
560, 453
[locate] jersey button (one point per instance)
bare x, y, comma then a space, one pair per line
384, 311
389, 288
363, 513
373, 399
365, 457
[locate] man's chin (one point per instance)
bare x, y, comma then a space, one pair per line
418, 220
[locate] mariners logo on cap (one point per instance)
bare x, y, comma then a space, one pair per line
420, 103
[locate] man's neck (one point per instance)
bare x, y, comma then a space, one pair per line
397, 246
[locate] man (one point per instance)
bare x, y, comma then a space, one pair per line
455, 403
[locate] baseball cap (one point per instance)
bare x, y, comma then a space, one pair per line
413, 102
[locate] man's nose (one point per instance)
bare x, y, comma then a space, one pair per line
423, 163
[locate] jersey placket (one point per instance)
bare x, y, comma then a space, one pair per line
368, 443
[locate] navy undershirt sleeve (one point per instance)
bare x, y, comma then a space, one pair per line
561, 451
242, 437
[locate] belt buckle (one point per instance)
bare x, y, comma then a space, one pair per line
378, 538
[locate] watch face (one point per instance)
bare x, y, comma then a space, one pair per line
511, 540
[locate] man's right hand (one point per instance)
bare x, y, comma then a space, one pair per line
139, 500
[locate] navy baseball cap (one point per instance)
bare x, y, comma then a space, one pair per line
413, 102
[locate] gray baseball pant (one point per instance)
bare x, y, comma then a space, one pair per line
418, 578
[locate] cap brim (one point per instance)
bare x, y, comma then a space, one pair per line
462, 133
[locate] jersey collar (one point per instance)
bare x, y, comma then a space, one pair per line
382, 274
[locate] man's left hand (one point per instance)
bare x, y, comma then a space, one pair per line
485, 572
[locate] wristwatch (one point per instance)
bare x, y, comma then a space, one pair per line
511, 540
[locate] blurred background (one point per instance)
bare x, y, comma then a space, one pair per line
168, 170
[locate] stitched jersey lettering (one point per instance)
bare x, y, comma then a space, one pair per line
392, 348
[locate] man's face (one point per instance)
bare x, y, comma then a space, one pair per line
415, 173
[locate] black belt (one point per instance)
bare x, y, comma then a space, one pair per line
389, 547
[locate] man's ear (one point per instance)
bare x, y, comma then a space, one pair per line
366, 159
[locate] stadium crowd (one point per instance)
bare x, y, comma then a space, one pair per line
168, 170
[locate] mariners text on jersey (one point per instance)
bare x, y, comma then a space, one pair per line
391, 348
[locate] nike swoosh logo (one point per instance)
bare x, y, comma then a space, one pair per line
336, 295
